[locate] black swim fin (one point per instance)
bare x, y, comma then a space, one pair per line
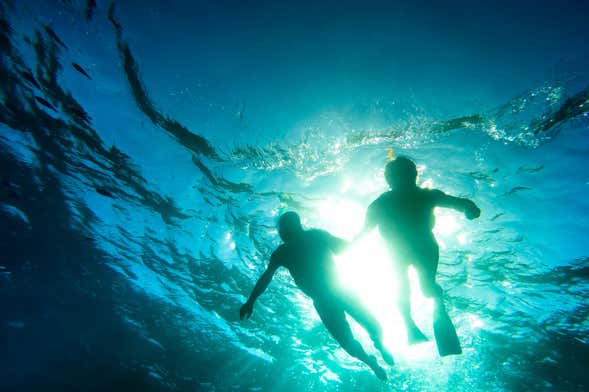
445, 333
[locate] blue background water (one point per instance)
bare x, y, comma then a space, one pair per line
138, 205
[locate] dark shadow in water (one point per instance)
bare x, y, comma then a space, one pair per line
574, 106
192, 141
89, 11
63, 309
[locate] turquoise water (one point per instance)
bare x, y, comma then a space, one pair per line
140, 190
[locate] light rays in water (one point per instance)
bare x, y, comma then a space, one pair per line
366, 269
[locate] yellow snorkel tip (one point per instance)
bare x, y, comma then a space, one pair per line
390, 154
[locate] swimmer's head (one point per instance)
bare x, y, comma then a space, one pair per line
289, 226
400, 172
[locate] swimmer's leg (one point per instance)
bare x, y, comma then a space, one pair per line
355, 309
444, 331
334, 319
414, 335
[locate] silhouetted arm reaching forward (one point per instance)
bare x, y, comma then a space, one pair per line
370, 222
261, 285
470, 210
336, 245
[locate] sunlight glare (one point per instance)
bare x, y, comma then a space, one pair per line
342, 218
446, 223
366, 269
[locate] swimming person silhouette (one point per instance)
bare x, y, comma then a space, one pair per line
308, 256
405, 219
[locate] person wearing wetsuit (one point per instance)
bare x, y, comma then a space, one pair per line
308, 256
405, 219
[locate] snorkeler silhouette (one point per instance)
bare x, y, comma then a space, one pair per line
307, 254
405, 218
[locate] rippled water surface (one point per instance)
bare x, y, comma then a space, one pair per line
147, 148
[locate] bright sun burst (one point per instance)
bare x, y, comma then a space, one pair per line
366, 269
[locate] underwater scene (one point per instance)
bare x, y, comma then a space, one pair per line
219, 195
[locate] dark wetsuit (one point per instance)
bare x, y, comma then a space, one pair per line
405, 220
309, 260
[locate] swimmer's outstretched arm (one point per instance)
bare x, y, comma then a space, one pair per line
467, 206
369, 224
337, 245
261, 285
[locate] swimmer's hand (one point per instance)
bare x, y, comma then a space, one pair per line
246, 310
472, 211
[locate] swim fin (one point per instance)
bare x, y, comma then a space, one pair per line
445, 333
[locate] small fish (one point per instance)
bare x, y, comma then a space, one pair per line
81, 70
517, 189
28, 76
530, 169
52, 34
43, 102
497, 216
477, 175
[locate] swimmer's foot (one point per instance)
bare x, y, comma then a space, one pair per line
415, 336
378, 371
386, 355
